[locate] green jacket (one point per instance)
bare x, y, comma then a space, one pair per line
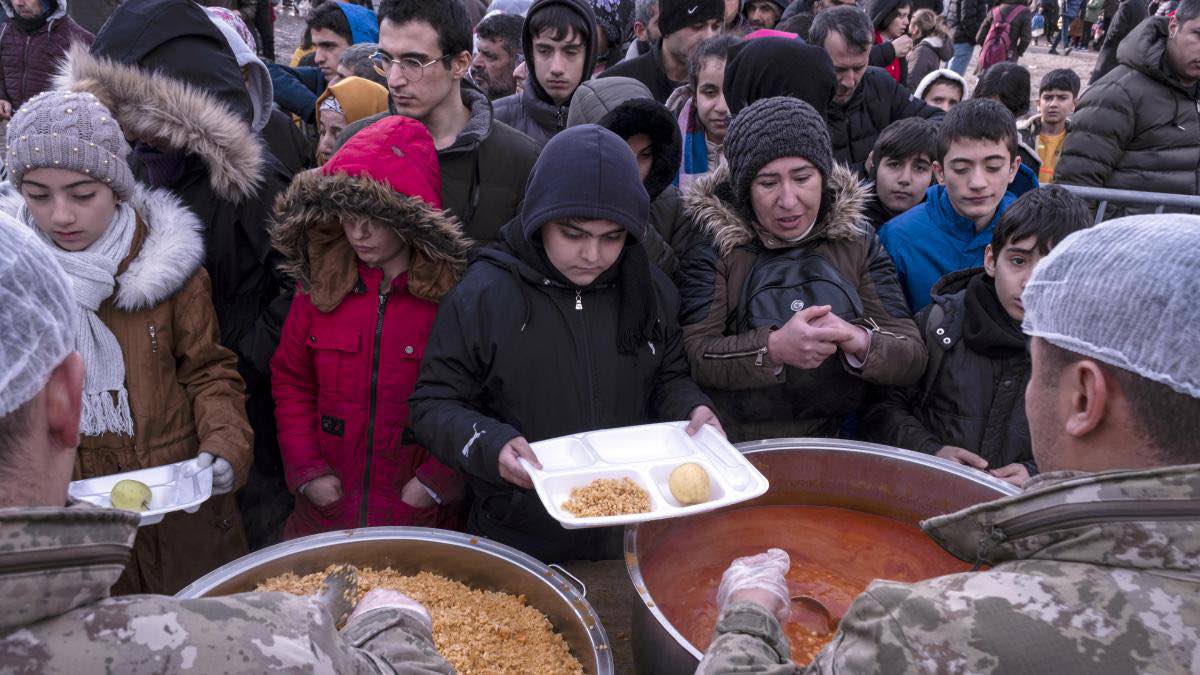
1090, 573
57, 564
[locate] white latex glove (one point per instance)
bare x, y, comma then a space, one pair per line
764, 574
222, 471
378, 598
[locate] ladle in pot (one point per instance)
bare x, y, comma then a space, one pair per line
814, 614
339, 593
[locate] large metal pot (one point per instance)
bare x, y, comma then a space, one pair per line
898, 484
475, 561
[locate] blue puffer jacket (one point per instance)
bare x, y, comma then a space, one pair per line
931, 240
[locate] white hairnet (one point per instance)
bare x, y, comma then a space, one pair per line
37, 328
1125, 293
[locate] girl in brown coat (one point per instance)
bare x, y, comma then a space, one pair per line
158, 386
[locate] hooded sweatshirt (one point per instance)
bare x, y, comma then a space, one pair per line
625, 107
532, 111
364, 27
258, 79
518, 350
942, 73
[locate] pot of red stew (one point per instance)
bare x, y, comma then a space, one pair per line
846, 512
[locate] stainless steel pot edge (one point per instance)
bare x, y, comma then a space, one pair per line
751, 447
556, 581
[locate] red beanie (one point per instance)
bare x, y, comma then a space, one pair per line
396, 150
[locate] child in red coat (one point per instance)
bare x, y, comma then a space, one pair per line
373, 254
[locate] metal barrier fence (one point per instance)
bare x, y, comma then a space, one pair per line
1160, 201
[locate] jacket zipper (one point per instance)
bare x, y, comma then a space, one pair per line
578, 301
758, 354
75, 556
375, 353
25, 73
1079, 515
153, 331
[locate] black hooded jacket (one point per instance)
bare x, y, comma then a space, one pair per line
972, 394
517, 350
877, 102
533, 112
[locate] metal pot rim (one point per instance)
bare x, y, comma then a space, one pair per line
801, 444
561, 586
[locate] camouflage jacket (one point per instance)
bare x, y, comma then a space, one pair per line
57, 564
1090, 573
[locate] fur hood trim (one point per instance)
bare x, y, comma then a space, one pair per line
171, 115
709, 205
316, 204
167, 250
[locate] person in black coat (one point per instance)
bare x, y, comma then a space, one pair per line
1129, 14
868, 99
969, 406
564, 327
208, 156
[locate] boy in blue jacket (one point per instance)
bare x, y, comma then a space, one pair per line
977, 159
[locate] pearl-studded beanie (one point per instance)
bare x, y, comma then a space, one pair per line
69, 130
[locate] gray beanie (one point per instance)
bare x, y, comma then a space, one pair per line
1124, 293
69, 130
769, 129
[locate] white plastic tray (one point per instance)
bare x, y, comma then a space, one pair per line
173, 487
647, 455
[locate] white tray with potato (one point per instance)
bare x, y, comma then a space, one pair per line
182, 486
715, 474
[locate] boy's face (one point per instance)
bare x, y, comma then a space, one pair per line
976, 173
944, 95
1011, 268
583, 250
1056, 105
329, 47
901, 183
558, 64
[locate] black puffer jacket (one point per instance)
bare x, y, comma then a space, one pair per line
1138, 127
966, 398
532, 112
518, 350
878, 101
964, 18
1129, 14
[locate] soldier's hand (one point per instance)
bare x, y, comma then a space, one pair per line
322, 491
1015, 473
759, 579
962, 456
510, 469
380, 598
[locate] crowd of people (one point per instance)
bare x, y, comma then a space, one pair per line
358, 285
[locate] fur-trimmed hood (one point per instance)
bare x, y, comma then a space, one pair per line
167, 249
171, 115
709, 204
309, 234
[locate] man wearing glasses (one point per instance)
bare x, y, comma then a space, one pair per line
425, 54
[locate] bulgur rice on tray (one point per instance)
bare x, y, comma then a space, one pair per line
476, 631
607, 497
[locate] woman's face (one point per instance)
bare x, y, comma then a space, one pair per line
331, 124
72, 208
710, 100
374, 245
899, 24
786, 197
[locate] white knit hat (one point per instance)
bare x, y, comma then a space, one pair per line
37, 315
1127, 293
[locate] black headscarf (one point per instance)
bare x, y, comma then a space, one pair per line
767, 67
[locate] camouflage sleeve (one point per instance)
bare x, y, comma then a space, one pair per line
870, 639
748, 640
399, 639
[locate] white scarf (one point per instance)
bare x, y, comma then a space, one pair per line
92, 272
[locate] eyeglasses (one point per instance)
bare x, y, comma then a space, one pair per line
412, 69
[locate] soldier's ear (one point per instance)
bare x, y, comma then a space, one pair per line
64, 402
1089, 397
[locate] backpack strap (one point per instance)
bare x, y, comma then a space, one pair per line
933, 345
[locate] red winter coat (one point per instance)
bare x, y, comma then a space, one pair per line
332, 374
29, 60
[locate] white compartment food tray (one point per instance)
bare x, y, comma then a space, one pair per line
173, 487
647, 455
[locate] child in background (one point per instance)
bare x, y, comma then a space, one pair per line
901, 165
158, 386
977, 159
1046, 131
942, 88
932, 46
969, 407
35, 37
701, 108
